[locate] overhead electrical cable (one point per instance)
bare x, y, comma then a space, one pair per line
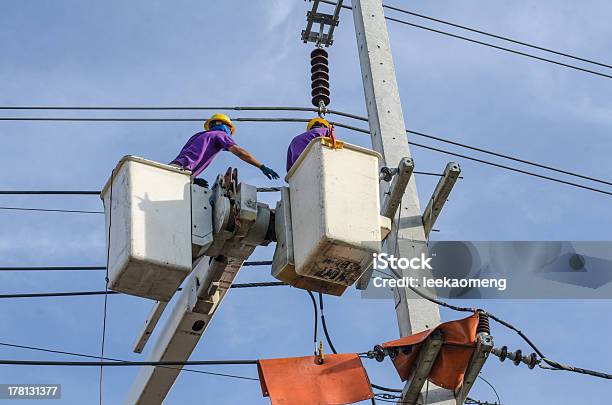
127, 363
50, 210
112, 359
89, 293
350, 127
492, 387
53, 268
490, 45
553, 364
607, 76
89, 192
514, 169
496, 36
316, 320
509, 157
101, 268
49, 192
325, 331
106, 281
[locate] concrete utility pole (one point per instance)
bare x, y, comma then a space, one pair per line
387, 131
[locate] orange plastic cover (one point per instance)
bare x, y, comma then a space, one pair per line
453, 359
341, 379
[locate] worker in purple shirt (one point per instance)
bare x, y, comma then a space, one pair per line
200, 150
317, 127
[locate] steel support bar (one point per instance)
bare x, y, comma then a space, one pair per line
323, 19
149, 326
484, 345
440, 195
388, 135
310, 21
336, 18
390, 205
398, 187
427, 356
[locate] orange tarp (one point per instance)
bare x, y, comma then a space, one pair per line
341, 379
453, 359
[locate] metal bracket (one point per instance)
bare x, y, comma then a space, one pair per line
314, 17
484, 345
399, 181
440, 195
149, 326
201, 217
398, 187
427, 356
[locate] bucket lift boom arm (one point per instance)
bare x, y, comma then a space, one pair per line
239, 225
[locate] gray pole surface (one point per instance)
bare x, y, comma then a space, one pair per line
387, 131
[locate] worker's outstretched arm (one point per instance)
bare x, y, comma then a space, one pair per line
249, 158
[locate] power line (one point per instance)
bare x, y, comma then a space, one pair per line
67, 192
501, 48
127, 363
487, 44
367, 132
553, 364
509, 157
263, 284
331, 344
472, 401
171, 108
48, 192
108, 244
341, 125
380, 387
112, 359
100, 268
90, 293
496, 36
325, 331
179, 108
496, 164
316, 320
411, 143
53, 268
259, 189
569, 183
160, 108
58, 294
87, 192
492, 387
285, 119
257, 263
50, 210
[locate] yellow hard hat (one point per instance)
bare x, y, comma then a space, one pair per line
220, 117
317, 120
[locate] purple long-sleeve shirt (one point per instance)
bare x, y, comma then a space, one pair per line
299, 143
200, 150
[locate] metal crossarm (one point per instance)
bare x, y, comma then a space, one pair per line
321, 37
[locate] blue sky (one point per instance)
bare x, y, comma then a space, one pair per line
248, 53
